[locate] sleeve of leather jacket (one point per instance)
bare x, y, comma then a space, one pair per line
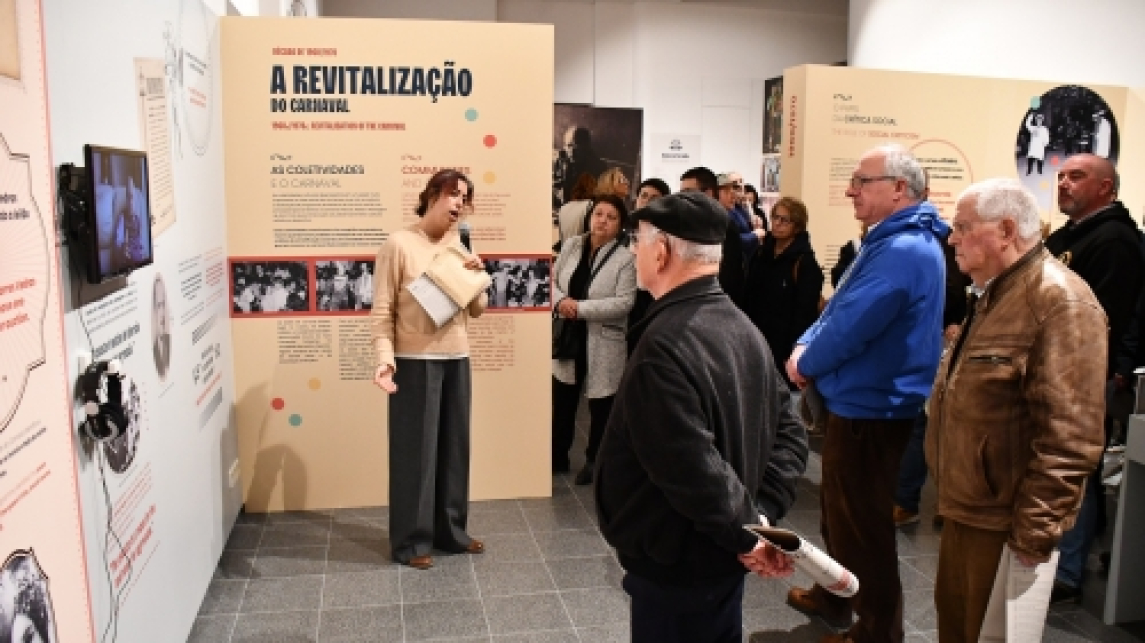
677, 450
1064, 388
787, 461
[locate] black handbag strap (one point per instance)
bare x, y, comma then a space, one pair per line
592, 275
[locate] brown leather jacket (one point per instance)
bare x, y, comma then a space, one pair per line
1016, 419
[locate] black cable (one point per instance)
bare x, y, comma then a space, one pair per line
116, 597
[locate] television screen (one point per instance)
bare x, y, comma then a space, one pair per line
119, 212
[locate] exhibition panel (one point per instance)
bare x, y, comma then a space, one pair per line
333, 128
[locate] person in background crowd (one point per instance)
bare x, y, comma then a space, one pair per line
425, 371
572, 218
731, 277
595, 285
702, 440
613, 182
751, 200
1017, 407
1101, 243
784, 281
650, 190
1039, 139
872, 356
751, 232
847, 254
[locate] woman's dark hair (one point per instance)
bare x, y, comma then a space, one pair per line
584, 188
796, 211
749, 188
444, 182
655, 184
616, 202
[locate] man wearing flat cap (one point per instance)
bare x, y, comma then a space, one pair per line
701, 440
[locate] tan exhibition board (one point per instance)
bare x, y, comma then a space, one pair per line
332, 128
963, 129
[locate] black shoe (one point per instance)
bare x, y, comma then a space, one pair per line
561, 467
585, 475
1064, 593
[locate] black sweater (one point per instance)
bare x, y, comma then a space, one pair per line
781, 296
702, 438
1105, 251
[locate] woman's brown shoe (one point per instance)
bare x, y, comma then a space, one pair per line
475, 547
421, 562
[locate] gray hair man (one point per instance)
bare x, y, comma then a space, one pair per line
1016, 411
701, 440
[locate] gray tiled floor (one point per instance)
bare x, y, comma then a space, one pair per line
547, 577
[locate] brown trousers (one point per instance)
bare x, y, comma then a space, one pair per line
967, 563
860, 474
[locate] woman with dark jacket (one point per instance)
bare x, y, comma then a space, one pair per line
784, 281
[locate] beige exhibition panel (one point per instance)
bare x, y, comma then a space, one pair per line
963, 129
311, 187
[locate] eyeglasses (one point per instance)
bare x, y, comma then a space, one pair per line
638, 235
779, 218
858, 181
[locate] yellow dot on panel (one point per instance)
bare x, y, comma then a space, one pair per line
1044, 185
315, 383
490, 177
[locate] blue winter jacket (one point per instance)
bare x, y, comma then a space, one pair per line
874, 351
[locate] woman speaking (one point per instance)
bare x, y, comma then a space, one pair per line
595, 286
425, 369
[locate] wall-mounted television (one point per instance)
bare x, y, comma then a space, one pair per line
118, 224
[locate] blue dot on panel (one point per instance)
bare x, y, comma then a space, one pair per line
471, 114
295, 420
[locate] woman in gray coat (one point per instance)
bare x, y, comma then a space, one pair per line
595, 284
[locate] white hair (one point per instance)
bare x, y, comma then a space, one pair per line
691, 251
997, 199
900, 163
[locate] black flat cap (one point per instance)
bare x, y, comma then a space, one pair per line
692, 216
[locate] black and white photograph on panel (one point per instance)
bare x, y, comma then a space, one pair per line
26, 613
344, 285
269, 287
772, 115
121, 451
1064, 121
519, 282
769, 174
595, 149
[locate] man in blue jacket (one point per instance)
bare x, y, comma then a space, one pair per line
872, 356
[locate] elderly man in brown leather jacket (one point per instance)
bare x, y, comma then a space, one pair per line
1016, 411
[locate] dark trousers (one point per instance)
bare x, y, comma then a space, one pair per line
429, 457
1030, 164
968, 560
566, 397
670, 614
912, 469
860, 472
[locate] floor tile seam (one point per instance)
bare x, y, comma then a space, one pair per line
480, 598
322, 589
549, 571
234, 626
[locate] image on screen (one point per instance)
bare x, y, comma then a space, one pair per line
120, 209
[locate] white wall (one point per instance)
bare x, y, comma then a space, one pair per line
1091, 42
184, 451
480, 10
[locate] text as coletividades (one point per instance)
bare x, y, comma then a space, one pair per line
318, 169
343, 80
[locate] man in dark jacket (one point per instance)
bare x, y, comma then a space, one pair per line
1102, 245
702, 439
731, 274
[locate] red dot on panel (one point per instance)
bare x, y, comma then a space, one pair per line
278, 403
490, 140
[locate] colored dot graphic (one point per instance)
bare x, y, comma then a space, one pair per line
314, 384
295, 420
470, 114
490, 140
278, 404
489, 177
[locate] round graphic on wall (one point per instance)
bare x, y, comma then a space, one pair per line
26, 613
1064, 121
195, 71
160, 327
120, 452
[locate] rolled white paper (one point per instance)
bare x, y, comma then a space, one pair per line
810, 560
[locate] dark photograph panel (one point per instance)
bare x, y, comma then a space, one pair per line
269, 287
26, 613
344, 285
595, 148
519, 282
772, 115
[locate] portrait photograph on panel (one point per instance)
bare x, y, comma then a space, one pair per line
344, 285
121, 451
26, 614
772, 115
160, 327
595, 148
269, 287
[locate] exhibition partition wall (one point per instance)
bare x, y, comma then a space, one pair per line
962, 129
43, 581
159, 502
332, 128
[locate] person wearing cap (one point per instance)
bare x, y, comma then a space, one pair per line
749, 228
872, 357
702, 439
731, 275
